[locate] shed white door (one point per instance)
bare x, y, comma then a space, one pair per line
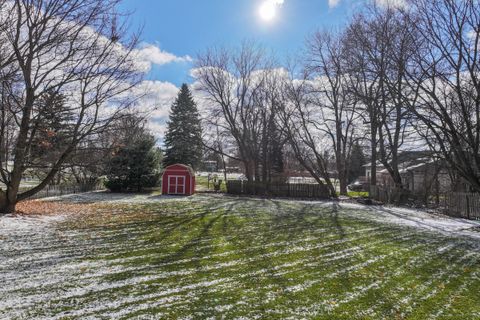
176, 185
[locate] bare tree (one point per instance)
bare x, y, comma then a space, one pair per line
381, 47
93, 154
273, 138
326, 62
218, 141
69, 47
366, 86
304, 129
231, 82
446, 79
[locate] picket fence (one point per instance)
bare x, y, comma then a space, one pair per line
289, 190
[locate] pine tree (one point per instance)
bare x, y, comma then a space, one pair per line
357, 160
183, 139
135, 165
276, 151
52, 128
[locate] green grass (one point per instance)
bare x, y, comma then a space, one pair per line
356, 194
203, 181
225, 257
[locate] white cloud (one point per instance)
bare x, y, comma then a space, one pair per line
158, 128
149, 54
333, 3
156, 99
382, 3
392, 3
275, 2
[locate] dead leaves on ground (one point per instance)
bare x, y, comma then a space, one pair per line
38, 207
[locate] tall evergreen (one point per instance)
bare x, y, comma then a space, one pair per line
276, 150
183, 139
357, 160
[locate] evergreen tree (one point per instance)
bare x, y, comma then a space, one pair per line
276, 151
135, 165
52, 124
51, 132
273, 162
183, 139
357, 160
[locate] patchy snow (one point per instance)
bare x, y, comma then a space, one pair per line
20, 223
400, 216
418, 219
120, 198
48, 269
421, 219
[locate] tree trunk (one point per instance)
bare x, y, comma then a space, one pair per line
331, 189
373, 166
6, 206
224, 164
342, 174
248, 170
257, 172
342, 177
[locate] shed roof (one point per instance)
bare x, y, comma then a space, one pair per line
184, 166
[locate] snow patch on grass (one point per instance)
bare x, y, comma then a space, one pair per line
223, 257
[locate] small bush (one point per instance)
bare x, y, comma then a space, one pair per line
114, 185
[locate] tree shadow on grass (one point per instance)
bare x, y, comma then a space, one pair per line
158, 257
305, 218
203, 235
251, 226
335, 220
280, 226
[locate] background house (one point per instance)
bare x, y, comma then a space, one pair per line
421, 172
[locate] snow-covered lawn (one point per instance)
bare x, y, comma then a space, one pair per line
147, 256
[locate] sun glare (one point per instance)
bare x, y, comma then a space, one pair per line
267, 11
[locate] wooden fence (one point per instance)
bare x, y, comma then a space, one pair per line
461, 204
289, 190
455, 204
59, 190
388, 195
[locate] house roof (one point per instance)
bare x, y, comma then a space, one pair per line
418, 165
367, 165
408, 159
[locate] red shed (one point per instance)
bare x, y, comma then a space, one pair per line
178, 179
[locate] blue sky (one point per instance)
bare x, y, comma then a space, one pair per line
175, 31
187, 27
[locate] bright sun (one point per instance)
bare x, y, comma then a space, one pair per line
267, 11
